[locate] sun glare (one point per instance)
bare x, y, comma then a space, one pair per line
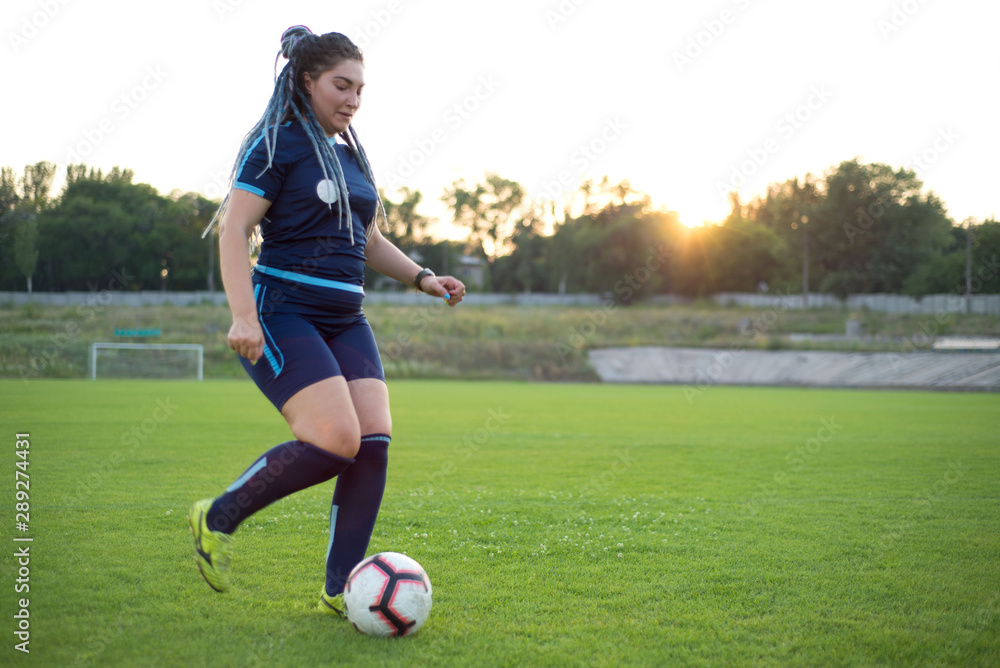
692, 212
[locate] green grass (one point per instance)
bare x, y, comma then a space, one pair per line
560, 525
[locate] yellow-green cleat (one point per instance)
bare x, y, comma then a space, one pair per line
332, 605
211, 547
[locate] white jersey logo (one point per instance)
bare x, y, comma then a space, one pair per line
328, 191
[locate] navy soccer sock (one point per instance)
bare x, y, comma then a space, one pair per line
282, 470
356, 501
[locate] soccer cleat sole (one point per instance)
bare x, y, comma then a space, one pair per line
328, 608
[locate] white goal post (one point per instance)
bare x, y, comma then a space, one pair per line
197, 350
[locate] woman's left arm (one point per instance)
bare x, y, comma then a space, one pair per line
386, 258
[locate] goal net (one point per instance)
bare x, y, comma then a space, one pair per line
147, 360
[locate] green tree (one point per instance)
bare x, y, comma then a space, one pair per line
194, 261
619, 247
36, 184
788, 257
525, 268
405, 225
22, 200
9, 199
105, 223
487, 209
946, 274
874, 227
860, 228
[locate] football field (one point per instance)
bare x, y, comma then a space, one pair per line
560, 525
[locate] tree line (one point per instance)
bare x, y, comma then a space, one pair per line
857, 228
99, 224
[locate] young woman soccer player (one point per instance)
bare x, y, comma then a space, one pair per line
298, 324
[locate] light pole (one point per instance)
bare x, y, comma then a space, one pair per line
968, 265
211, 263
805, 262
803, 222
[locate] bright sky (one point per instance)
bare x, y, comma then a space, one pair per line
684, 99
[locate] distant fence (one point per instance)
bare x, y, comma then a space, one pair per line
158, 298
947, 303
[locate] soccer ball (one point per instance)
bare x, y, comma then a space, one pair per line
388, 594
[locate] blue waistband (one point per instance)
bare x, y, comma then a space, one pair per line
309, 280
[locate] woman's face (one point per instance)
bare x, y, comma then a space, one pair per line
335, 95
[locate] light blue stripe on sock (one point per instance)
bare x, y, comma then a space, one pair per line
333, 527
242, 480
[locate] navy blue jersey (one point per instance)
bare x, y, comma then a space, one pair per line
301, 234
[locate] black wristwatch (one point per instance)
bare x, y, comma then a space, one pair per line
424, 273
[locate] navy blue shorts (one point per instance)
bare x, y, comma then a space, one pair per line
310, 334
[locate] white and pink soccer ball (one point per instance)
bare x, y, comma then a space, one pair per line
388, 594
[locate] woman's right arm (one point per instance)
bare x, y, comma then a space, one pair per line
243, 213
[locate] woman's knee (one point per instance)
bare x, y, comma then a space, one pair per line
371, 404
341, 437
377, 425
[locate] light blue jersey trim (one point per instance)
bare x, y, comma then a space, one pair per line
242, 480
246, 186
250, 189
276, 366
246, 157
309, 280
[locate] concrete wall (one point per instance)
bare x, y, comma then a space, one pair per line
701, 368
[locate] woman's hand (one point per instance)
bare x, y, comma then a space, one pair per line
246, 337
448, 288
